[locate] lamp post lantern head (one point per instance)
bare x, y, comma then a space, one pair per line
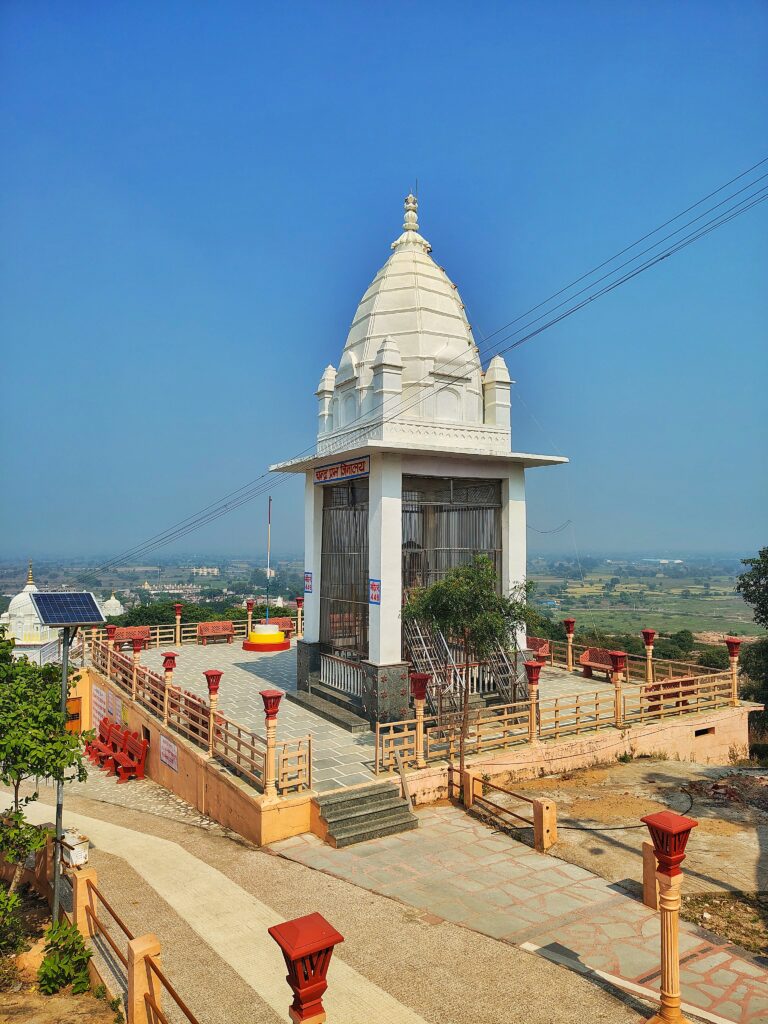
169, 661
137, 645
649, 635
213, 678
570, 625
618, 660
533, 671
249, 605
111, 630
419, 681
299, 602
177, 609
271, 700
307, 946
669, 832
733, 644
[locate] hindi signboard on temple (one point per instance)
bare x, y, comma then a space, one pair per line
347, 470
307, 582
374, 591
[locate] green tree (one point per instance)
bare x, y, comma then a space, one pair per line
753, 586
465, 605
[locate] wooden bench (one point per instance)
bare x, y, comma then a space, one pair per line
129, 762
102, 742
284, 622
596, 658
126, 634
117, 740
539, 648
211, 630
680, 689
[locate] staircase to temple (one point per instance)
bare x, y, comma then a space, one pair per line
367, 812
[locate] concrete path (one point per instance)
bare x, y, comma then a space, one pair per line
458, 868
210, 896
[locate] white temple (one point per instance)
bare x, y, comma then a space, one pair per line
32, 639
414, 470
112, 606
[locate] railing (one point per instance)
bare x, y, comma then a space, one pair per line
294, 764
479, 797
150, 690
677, 697
240, 748
576, 713
97, 925
165, 635
189, 715
663, 668
154, 1013
342, 674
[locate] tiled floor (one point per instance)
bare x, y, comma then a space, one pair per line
457, 868
339, 759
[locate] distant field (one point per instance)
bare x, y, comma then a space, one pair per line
665, 604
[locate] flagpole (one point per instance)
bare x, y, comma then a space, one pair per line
269, 545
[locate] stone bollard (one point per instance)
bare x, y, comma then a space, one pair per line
141, 979
544, 824
733, 643
213, 679
570, 626
307, 945
177, 632
669, 832
649, 635
419, 682
81, 898
271, 699
468, 787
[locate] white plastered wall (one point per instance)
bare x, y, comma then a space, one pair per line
385, 539
313, 539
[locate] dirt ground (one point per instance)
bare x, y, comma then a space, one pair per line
726, 868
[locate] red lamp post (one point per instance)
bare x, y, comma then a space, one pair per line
669, 832
213, 679
177, 613
419, 682
649, 635
271, 700
733, 643
570, 626
533, 671
169, 663
307, 945
618, 666
299, 616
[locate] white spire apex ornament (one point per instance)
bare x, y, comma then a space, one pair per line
410, 235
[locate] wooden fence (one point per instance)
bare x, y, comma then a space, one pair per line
663, 668
165, 635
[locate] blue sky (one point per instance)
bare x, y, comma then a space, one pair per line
195, 196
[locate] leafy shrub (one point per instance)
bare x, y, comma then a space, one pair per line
66, 960
715, 657
11, 929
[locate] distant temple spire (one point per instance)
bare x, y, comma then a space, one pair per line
30, 578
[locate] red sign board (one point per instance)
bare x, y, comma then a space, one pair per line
307, 582
374, 591
343, 470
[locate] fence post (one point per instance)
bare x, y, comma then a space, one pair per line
271, 699
468, 782
81, 898
734, 644
649, 635
544, 824
213, 678
141, 980
299, 616
419, 681
177, 632
650, 885
533, 671
169, 664
137, 645
570, 625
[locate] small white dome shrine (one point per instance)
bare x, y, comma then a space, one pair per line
112, 606
22, 621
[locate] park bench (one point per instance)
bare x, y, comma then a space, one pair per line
129, 762
596, 658
679, 689
283, 622
117, 740
126, 634
102, 743
539, 648
209, 630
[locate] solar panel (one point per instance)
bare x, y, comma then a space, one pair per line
58, 610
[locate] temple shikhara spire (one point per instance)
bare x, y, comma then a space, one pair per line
414, 454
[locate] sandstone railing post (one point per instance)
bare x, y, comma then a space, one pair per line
169, 664
141, 980
544, 824
618, 668
111, 630
213, 679
177, 632
81, 898
271, 700
570, 626
307, 946
137, 646
649, 635
733, 643
669, 832
249, 609
533, 671
419, 681
299, 617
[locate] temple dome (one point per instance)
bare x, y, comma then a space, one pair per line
22, 619
112, 606
414, 303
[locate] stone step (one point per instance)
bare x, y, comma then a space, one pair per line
365, 812
375, 832
338, 697
339, 813
324, 709
357, 793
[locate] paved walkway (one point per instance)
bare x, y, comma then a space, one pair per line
210, 896
339, 759
459, 869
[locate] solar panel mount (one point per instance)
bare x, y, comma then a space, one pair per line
64, 609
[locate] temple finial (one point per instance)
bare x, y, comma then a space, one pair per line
411, 223
30, 578
410, 236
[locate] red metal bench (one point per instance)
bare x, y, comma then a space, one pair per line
117, 740
125, 634
212, 630
680, 689
284, 622
539, 647
596, 658
129, 762
102, 743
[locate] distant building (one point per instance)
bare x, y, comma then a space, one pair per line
112, 606
204, 570
32, 639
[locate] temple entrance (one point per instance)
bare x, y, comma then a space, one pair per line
344, 570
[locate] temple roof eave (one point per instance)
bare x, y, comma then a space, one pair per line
527, 460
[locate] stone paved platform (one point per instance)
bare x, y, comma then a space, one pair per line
459, 869
339, 759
